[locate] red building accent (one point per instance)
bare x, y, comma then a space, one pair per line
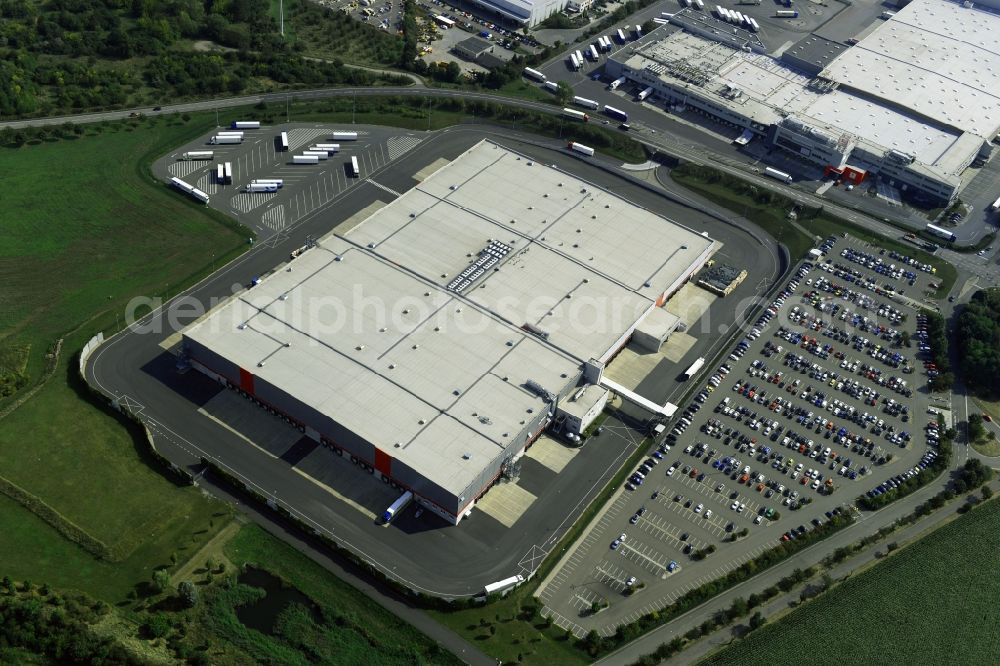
383, 462
246, 381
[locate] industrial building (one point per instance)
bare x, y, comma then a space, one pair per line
473, 48
526, 13
915, 102
436, 339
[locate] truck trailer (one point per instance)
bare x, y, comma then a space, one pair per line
181, 185
645, 93
617, 82
283, 142
588, 103
535, 74
261, 187
552, 85
305, 159
397, 506
227, 173
592, 50
220, 173
198, 155
786, 13
621, 37
321, 154
502, 586
574, 62
700, 4
270, 181
940, 233
777, 175
328, 147
225, 140
576, 115
245, 124
344, 136
580, 148
355, 169
199, 195
617, 114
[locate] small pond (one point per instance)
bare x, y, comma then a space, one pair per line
263, 614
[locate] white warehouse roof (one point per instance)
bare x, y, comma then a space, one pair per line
365, 329
938, 58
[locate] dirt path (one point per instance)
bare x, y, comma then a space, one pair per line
195, 566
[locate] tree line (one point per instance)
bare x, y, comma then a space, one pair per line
977, 333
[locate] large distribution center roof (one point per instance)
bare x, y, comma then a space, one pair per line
938, 58
366, 330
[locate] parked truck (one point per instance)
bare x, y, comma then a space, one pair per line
580, 148
576, 115
534, 74
777, 175
617, 114
617, 82
262, 187
552, 85
574, 62
645, 93
588, 103
224, 140
397, 506
328, 147
321, 154
198, 155
503, 586
305, 159
621, 37
245, 124
786, 13
700, 4
344, 136
592, 50
272, 181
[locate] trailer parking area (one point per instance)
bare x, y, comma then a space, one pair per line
307, 189
818, 402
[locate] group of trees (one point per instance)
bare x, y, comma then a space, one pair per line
56, 627
977, 334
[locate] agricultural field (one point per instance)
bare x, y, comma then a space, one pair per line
934, 602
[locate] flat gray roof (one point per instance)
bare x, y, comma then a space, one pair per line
365, 330
815, 50
938, 58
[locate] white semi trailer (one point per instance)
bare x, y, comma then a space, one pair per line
588, 103
534, 74
262, 187
580, 148
198, 155
576, 115
397, 506
245, 124
225, 140
344, 136
305, 159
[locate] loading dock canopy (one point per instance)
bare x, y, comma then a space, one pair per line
668, 409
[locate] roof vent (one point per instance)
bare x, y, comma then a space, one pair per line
261, 364
422, 421
242, 326
467, 456
359, 347
457, 392
338, 258
398, 444
392, 366
413, 214
416, 346
287, 345
451, 187
371, 245
283, 297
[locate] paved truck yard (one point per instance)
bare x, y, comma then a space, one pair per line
307, 188
794, 422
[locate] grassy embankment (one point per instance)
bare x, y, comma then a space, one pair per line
86, 229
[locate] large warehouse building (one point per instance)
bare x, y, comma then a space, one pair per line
433, 341
916, 101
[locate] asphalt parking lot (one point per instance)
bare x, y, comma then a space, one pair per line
307, 188
807, 413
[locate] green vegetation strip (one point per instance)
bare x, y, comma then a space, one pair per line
351, 629
931, 603
769, 210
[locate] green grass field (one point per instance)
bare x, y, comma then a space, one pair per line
365, 630
86, 229
934, 602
